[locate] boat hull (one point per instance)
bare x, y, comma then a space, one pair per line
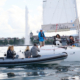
49, 59
73, 52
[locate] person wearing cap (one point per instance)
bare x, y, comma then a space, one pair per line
41, 38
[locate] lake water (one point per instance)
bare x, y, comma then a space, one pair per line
63, 71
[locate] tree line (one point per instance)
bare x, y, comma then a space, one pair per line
14, 41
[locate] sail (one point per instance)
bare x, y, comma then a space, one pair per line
59, 15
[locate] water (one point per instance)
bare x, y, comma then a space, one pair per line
63, 71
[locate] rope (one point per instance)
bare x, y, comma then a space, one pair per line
54, 11
61, 14
65, 10
56, 27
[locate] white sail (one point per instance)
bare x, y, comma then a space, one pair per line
59, 14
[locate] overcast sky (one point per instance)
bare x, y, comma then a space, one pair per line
12, 17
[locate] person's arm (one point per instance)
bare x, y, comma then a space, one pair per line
44, 36
29, 54
73, 41
58, 39
25, 53
13, 52
38, 49
31, 51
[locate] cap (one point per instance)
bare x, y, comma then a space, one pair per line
40, 29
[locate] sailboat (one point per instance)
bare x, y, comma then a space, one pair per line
61, 15
58, 15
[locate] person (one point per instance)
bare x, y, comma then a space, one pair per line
57, 40
27, 52
72, 42
42, 38
35, 50
10, 52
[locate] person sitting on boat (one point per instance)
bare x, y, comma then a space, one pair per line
35, 50
72, 42
42, 38
10, 52
57, 40
27, 52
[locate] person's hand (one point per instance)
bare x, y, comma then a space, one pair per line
44, 37
37, 46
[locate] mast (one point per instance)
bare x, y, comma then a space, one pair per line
78, 22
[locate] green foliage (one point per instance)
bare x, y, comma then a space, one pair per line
13, 41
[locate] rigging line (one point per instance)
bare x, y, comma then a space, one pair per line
44, 7
61, 14
76, 17
71, 12
54, 11
65, 10
45, 3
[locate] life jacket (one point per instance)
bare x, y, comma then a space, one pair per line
42, 34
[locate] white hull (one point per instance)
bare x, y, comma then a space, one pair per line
73, 52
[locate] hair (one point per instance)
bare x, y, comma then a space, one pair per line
35, 44
57, 35
11, 48
27, 48
70, 36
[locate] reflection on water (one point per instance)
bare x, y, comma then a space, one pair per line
63, 71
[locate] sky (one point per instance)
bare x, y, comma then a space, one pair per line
12, 17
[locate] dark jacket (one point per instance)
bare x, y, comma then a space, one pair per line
54, 41
10, 54
71, 42
27, 53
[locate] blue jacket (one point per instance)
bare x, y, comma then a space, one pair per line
40, 36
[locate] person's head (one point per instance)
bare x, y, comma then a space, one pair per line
27, 48
41, 30
69, 37
57, 36
72, 37
11, 48
35, 44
